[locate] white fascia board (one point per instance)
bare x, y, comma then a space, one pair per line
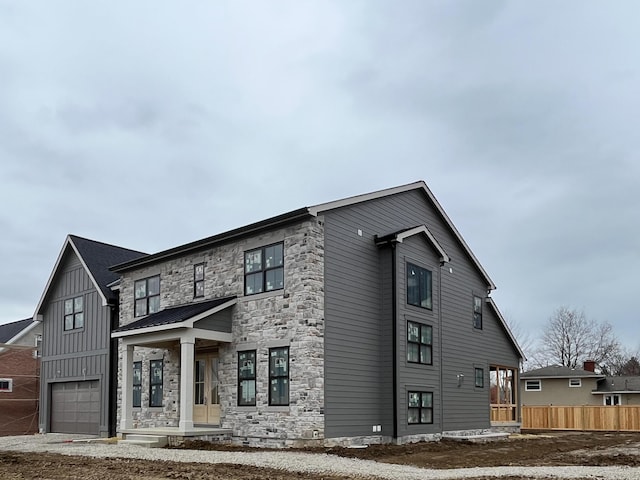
317, 209
141, 338
491, 302
212, 335
23, 332
148, 330
444, 258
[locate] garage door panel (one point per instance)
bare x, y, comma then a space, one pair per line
75, 407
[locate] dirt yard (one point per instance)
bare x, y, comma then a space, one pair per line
527, 450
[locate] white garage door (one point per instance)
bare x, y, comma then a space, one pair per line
75, 407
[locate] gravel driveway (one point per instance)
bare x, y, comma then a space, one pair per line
295, 461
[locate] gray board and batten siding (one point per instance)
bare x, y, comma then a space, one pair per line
359, 309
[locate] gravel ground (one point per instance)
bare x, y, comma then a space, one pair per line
297, 461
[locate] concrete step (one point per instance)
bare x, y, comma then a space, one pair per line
149, 441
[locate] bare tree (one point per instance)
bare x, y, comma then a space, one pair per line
569, 338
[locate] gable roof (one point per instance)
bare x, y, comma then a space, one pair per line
560, 371
300, 214
9, 332
622, 384
172, 316
96, 258
399, 236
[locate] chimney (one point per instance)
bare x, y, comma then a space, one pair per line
589, 366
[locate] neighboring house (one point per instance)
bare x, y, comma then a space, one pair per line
623, 390
19, 377
367, 319
77, 311
561, 386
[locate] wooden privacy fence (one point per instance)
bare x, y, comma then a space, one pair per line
583, 417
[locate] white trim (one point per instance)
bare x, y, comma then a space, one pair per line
526, 385
491, 302
419, 185
10, 381
575, 386
22, 332
612, 395
444, 258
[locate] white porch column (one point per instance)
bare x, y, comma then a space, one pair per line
187, 359
126, 388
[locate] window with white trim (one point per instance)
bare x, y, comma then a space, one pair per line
612, 400
575, 382
6, 385
533, 385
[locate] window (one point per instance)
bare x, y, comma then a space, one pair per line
155, 381
533, 385
137, 384
418, 286
479, 377
264, 269
279, 376
247, 378
477, 312
73, 313
6, 384
575, 382
420, 407
147, 295
37, 353
612, 400
419, 343
198, 280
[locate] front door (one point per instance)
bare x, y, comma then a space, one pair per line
206, 408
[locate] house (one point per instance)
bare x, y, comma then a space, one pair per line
362, 320
19, 377
77, 311
563, 386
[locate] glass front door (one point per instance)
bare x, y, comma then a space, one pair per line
206, 408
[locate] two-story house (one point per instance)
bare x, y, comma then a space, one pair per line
77, 311
366, 319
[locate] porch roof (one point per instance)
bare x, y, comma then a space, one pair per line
175, 317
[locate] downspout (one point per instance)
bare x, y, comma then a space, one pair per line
394, 335
440, 349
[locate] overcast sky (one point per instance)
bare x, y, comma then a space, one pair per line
151, 124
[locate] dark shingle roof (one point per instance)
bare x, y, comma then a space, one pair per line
99, 257
10, 330
619, 384
559, 371
174, 314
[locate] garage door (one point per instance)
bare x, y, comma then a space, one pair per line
75, 407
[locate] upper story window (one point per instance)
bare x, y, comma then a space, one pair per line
477, 312
247, 378
279, 376
479, 376
147, 295
419, 341
38, 343
532, 385
6, 384
198, 280
418, 286
575, 382
73, 313
264, 269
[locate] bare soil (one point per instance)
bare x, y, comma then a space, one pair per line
524, 450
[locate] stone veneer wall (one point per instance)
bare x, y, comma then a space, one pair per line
293, 316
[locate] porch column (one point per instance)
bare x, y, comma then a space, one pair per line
126, 388
187, 359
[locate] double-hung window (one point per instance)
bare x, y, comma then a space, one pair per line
247, 378
147, 295
264, 269
477, 312
73, 313
137, 384
279, 376
419, 343
198, 280
420, 407
418, 286
155, 383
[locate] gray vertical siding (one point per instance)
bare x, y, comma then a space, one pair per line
75, 355
358, 308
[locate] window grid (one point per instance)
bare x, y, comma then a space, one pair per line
477, 312
73, 313
264, 269
247, 378
420, 410
419, 343
198, 280
147, 296
532, 385
155, 383
137, 384
279, 376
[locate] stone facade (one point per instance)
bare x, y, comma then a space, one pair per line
292, 317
